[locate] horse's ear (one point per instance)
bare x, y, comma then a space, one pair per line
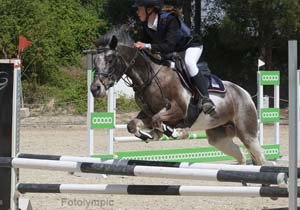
96, 42
113, 43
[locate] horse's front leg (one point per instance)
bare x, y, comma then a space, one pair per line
169, 116
136, 125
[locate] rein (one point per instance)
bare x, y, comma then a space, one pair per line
129, 66
150, 77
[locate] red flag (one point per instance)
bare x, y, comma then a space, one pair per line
23, 43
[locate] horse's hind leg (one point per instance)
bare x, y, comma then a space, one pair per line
218, 138
246, 131
250, 141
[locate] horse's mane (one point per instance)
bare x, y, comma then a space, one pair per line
122, 34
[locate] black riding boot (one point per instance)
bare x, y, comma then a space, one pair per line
207, 104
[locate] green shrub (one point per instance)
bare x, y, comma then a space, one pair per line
68, 91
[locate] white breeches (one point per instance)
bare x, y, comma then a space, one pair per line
192, 55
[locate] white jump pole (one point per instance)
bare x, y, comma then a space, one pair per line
121, 126
260, 93
111, 107
148, 171
90, 104
174, 190
276, 105
16, 128
125, 162
293, 124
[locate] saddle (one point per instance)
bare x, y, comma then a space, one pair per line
215, 84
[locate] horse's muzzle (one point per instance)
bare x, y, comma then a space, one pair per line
98, 89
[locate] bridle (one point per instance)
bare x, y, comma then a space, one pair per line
152, 75
110, 74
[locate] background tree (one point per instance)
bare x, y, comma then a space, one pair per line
59, 31
118, 13
238, 32
265, 24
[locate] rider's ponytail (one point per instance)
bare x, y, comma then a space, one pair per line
172, 9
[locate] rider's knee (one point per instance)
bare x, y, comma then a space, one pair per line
192, 68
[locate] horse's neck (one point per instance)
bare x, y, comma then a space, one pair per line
140, 72
140, 75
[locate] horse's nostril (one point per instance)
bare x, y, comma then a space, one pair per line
98, 87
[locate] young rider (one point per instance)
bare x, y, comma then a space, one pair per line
165, 33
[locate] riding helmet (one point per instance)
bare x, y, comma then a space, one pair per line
149, 3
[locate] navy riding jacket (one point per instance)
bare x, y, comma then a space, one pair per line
169, 36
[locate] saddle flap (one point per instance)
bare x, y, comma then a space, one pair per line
216, 84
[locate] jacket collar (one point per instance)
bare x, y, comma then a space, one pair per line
153, 25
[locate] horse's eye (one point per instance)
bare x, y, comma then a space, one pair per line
109, 60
